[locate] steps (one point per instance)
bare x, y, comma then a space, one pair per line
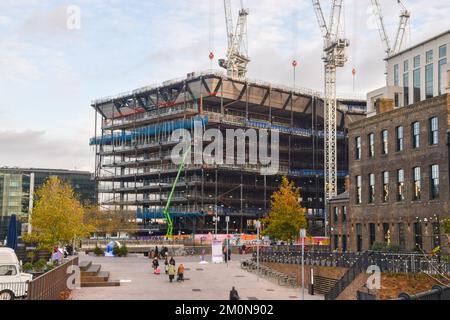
92, 276
323, 285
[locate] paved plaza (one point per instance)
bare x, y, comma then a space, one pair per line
203, 282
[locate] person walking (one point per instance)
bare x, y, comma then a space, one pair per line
172, 272
155, 263
156, 252
234, 295
225, 254
172, 261
180, 273
166, 265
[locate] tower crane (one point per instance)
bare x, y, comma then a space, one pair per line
405, 16
237, 52
335, 56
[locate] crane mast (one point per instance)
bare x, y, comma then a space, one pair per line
237, 52
335, 56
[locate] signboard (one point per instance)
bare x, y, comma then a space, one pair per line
217, 256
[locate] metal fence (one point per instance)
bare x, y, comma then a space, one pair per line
437, 293
387, 262
51, 285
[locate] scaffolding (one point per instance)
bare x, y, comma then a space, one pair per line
132, 142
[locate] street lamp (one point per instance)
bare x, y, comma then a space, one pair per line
227, 219
258, 227
303, 236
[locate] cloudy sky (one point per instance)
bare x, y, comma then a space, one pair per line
49, 73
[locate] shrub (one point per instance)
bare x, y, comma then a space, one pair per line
98, 251
27, 267
41, 265
123, 251
116, 250
379, 247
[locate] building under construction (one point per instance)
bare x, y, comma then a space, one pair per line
133, 147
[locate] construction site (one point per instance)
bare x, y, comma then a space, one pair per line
135, 172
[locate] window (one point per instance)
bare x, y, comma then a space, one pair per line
358, 148
400, 138
358, 190
371, 188
406, 89
359, 237
418, 235
385, 186
415, 129
406, 66
371, 139
8, 270
344, 243
344, 214
416, 62
441, 73
429, 56
401, 236
443, 51
336, 215
372, 234
429, 81
400, 185
434, 131
396, 75
336, 241
385, 142
434, 183
416, 85
417, 184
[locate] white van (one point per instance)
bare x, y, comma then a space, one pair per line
13, 283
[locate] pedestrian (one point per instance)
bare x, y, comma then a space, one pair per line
172, 261
156, 252
155, 263
180, 273
172, 272
202, 256
166, 265
225, 254
234, 295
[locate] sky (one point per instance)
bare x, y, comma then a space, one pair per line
49, 73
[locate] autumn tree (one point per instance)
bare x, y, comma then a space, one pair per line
446, 228
286, 216
58, 216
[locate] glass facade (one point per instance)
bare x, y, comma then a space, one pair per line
406, 89
429, 81
396, 75
416, 85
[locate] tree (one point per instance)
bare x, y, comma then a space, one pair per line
58, 216
446, 228
286, 216
108, 222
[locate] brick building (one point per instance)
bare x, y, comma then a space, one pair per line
399, 178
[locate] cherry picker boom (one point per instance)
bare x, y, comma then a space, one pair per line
169, 233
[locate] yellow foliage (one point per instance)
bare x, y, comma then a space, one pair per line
287, 217
58, 217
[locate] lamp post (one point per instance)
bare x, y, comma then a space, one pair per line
30, 203
258, 227
303, 236
227, 219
